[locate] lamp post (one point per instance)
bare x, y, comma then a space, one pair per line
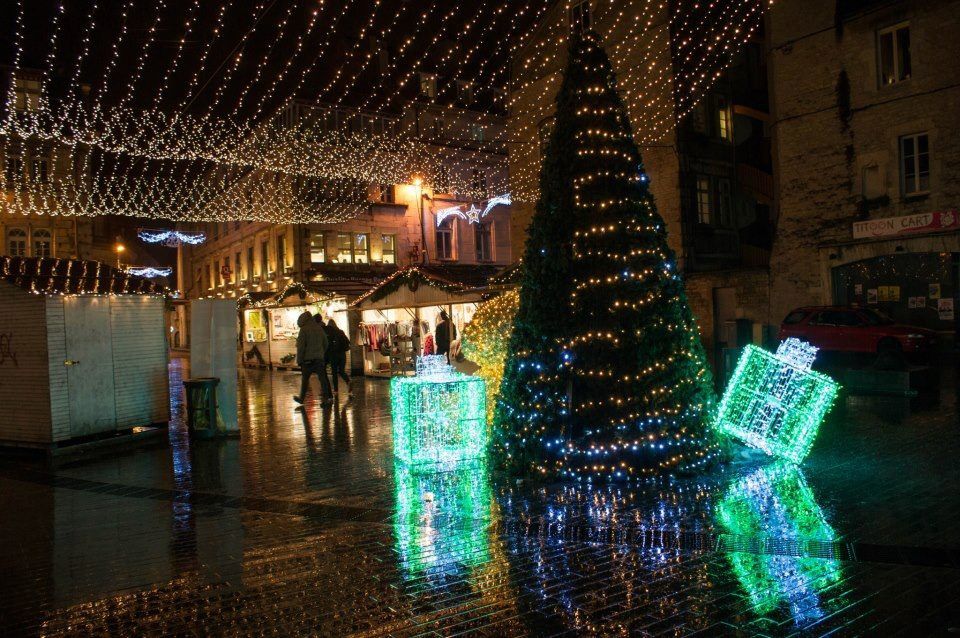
119, 248
418, 182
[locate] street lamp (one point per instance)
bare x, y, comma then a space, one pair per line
418, 182
119, 248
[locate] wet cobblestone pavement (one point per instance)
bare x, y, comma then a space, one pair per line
305, 526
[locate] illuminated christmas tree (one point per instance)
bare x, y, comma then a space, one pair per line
606, 375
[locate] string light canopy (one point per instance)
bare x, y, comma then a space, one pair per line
165, 111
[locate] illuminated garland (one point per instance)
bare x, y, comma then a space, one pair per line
411, 277
171, 237
148, 272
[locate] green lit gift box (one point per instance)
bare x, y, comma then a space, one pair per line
775, 402
439, 416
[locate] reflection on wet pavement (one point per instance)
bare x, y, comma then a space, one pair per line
307, 526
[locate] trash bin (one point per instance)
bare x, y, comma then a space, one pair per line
202, 406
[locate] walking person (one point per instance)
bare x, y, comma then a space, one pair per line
446, 332
337, 356
311, 353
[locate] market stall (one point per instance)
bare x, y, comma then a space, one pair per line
83, 352
254, 343
399, 317
287, 306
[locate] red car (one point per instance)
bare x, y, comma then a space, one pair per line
853, 329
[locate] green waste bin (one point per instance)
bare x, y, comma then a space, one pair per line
202, 406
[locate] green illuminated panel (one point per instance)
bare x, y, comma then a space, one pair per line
442, 519
775, 404
775, 504
438, 419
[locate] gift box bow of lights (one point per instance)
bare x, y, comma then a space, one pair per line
775, 402
439, 416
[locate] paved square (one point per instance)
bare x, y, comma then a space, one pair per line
305, 526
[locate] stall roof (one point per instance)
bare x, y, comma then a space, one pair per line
52, 276
418, 286
509, 276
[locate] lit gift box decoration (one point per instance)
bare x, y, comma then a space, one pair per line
439, 416
775, 402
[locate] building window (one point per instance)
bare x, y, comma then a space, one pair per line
227, 272
428, 85
361, 248
17, 242
389, 251
479, 183
27, 92
217, 272
724, 120
384, 194
318, 248
40, 169
249, 268
42, 243
579, 16
445, 239
239, 265
476, 132
704, 200
344, 248
483, 235
437, 129
13, 169
281, 253
894, 52
544, 131
264, 257
724, 203
442, 179
914, 164
465, 92
206, 270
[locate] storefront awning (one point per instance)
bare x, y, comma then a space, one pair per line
421, 286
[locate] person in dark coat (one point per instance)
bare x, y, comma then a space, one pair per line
446, 332
311, 356
337, 349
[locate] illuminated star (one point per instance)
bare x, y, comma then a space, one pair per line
473, 214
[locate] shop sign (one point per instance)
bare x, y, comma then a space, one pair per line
945, 309
935, 222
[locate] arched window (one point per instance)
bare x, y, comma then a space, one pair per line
17, 242
42, 243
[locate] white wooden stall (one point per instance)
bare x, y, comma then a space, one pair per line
74, 366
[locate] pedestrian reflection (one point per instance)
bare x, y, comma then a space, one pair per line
442, 521
781, 544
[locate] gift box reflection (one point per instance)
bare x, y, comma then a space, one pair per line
773, 510
442, 520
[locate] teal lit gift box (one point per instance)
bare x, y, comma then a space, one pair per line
439, 417
775, 402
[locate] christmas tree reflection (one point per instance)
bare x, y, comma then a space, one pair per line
777, 531
442, 521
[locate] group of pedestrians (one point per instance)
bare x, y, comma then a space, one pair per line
319, 345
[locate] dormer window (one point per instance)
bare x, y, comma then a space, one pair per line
428, 85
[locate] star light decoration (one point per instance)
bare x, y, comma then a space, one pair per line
775, 402
473, 214
148, 272
115, 151
439, 416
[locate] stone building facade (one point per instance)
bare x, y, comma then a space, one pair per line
866, 97
707, 154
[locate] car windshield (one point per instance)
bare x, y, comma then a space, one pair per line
876, 318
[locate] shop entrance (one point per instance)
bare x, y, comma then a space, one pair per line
918, 289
